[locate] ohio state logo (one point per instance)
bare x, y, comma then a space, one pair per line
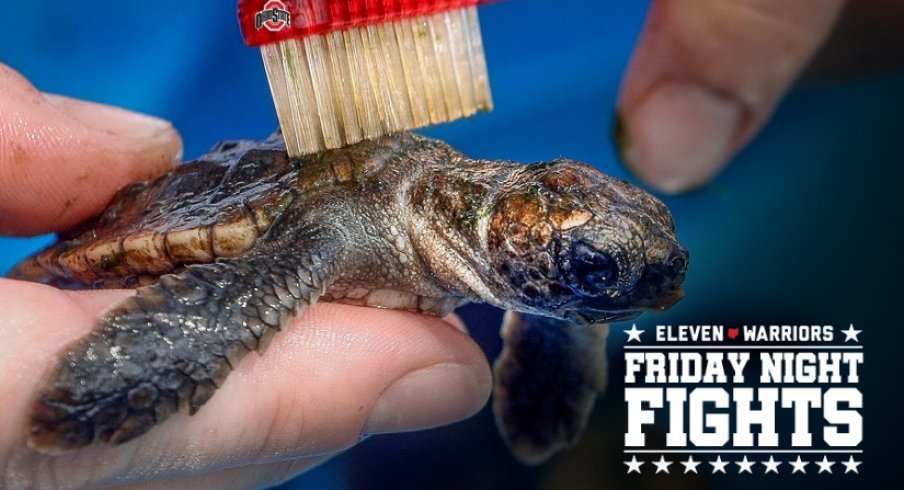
274, 16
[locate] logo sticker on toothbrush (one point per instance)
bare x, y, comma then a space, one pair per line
274, 17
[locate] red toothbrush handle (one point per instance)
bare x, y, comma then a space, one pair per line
269, 21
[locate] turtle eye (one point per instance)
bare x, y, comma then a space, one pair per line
593, 269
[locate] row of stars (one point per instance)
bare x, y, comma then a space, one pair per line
849, 334
745, 465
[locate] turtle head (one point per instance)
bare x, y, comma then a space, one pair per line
570, 242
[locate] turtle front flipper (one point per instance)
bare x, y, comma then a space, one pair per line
547, 380
174, 343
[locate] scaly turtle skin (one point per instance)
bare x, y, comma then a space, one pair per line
224, 250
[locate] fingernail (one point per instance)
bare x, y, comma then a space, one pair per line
429, 397
679, 137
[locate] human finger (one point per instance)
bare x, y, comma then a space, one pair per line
333, 375
704, 78
61, 159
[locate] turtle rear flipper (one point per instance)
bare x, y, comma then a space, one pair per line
172, 344
547, 380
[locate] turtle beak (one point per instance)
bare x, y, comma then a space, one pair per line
590, 316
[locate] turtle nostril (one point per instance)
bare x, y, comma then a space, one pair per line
678, 264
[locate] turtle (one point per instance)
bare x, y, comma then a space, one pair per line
223, 250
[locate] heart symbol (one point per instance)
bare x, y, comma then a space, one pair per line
733, 332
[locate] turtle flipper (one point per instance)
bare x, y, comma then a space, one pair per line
172, 344
547, 379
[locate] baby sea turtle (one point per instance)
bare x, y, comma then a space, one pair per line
225, 249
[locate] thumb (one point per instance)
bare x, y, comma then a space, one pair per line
61, 160
704, 78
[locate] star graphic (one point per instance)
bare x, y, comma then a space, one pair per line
771, 465
662, 465
799, 465
718, 464
851, 334
690, 464
634, 465
851, 465
634, 333
745, 465
825, 465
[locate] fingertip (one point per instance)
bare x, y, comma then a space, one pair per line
704, 78
679, 136
419, 371
429, 397
154, 142
63, 159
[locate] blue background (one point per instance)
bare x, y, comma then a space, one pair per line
803, 227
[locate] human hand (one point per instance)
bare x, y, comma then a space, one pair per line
336, 374
706, 75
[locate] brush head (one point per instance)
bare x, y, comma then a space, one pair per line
346, 70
